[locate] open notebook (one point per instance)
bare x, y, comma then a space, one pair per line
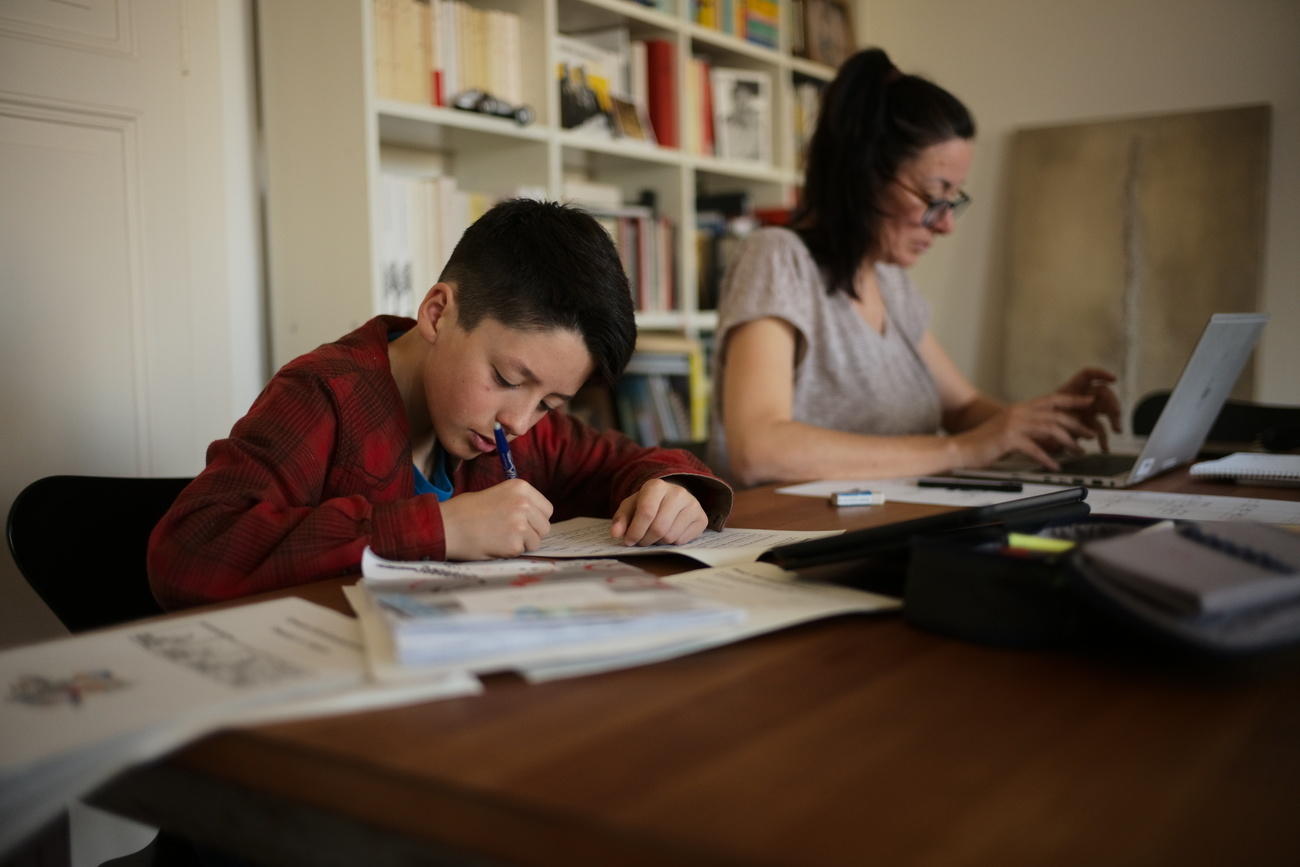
1259, 469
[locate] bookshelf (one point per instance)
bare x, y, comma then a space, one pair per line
329, 139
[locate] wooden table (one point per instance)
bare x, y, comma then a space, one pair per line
849, 741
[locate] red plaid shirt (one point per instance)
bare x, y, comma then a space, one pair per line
321, 466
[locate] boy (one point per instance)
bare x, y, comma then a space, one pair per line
385, 438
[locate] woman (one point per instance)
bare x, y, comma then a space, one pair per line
826, 365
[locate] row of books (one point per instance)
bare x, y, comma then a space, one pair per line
420, 221
646, 241
428, 51
663, 395
722, 220
611, 85
755, 21
646, 245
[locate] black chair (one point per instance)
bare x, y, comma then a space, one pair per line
80, 542
1276, 428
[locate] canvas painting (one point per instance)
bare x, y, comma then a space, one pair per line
1122, 237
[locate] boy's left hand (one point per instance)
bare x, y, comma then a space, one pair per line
659, 512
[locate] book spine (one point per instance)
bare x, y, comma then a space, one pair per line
661, 84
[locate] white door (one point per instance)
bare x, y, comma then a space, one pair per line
131, 332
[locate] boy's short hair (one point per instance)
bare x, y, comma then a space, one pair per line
537, 266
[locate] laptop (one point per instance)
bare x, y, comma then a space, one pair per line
1206, 380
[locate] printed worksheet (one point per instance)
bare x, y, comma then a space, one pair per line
76, 710
771, 597
1193, 507
589, 537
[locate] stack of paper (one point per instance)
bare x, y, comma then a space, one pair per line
500, 614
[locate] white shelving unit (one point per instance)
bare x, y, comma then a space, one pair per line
327, 138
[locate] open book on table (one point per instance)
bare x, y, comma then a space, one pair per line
484, 616
413, 614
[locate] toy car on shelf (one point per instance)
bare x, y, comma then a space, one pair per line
485, 103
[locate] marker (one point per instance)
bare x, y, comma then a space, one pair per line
857, 498
1045, 544
963, 484
503, 451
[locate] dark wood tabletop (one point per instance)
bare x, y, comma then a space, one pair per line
853, 740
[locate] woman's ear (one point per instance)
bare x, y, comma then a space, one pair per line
437, 311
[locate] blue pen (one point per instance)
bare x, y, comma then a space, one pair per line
503, 451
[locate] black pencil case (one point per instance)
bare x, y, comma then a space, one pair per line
975, 590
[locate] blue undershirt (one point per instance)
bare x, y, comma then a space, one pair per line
441, 486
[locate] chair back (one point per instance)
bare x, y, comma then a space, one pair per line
80, 541
1240, 421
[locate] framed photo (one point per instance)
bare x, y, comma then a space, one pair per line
827, 31
742, 114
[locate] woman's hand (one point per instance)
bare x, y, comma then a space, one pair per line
1032, 427
1095, 383
659, 512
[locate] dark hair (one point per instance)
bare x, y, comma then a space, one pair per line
537, 266
873, 118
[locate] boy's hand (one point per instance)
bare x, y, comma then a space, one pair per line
660, 512
503, 521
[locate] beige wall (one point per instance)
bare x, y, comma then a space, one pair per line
1020, 63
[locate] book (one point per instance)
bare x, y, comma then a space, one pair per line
679, 360
588, 76
661, 85
496, 614
428, 51
1262, 469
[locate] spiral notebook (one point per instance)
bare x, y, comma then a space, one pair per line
1259, 469
1204, 568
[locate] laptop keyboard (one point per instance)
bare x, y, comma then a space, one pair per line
1098, 464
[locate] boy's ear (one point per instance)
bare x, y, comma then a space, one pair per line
436, 311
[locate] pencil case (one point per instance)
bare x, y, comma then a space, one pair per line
977, 590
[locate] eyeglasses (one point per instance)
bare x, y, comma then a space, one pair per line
935, 209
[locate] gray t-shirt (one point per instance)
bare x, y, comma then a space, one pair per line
846, 376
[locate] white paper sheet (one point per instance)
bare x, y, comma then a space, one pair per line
906, 491
80, 709
1145, 504
1194, 507
377, 569
589, 537
75, 691
386, 668
772, 598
